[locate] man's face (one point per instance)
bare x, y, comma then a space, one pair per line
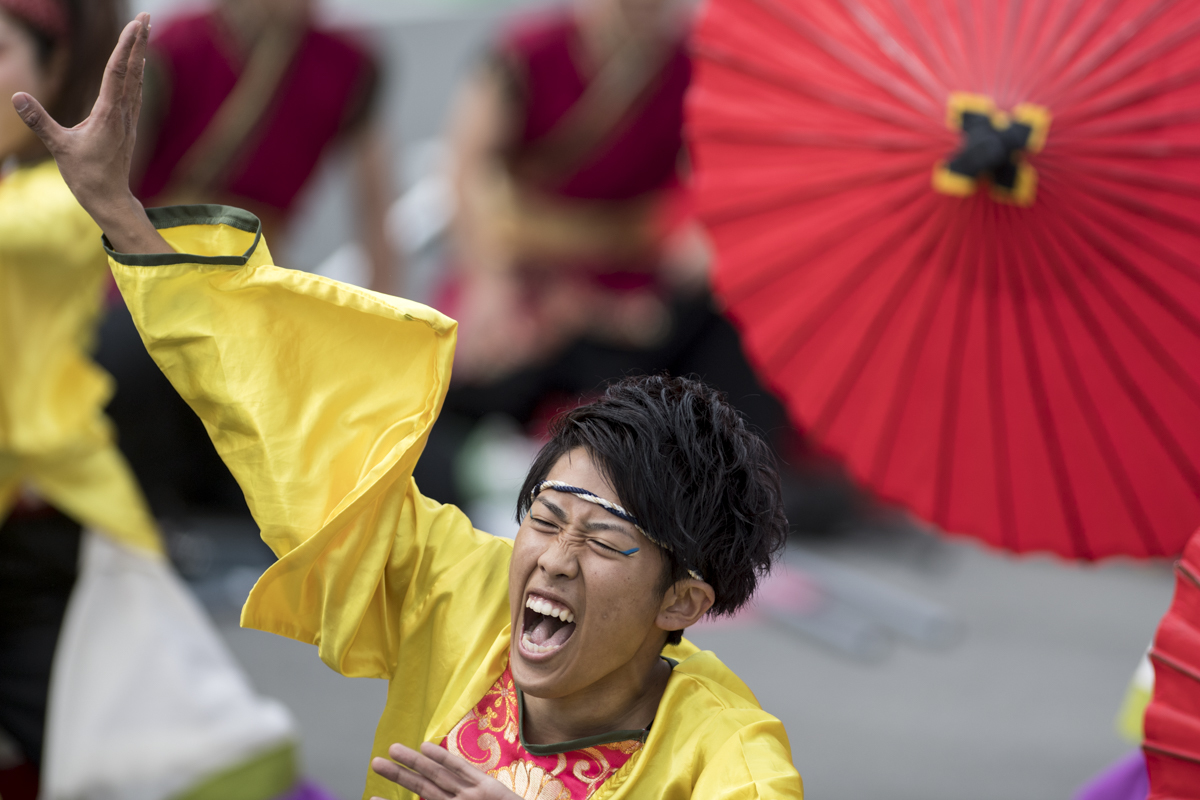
593, 608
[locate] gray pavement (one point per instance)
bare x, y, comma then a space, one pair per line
1021, 707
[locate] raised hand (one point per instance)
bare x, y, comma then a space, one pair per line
436, 774
94, 157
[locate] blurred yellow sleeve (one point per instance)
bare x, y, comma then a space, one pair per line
319, 396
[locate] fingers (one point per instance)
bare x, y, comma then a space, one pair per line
463, 769
112, 86
414, 782
33, 115
136, 67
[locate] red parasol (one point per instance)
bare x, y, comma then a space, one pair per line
962, 241
1172, 743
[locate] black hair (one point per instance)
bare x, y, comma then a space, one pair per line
683, 461
93, 28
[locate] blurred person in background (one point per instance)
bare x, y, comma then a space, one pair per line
101, 647
59, 467
242, 102
573, 258
566, 151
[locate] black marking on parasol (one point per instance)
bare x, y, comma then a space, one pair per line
990, 151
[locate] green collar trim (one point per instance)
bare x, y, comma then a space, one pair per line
178, 216
612, 737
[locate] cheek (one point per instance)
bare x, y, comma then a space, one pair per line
524, 559
626, 600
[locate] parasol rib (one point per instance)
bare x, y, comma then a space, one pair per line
816, 191
813, 91
1179, 264
1182, 37
1178, 667
880, 321
949, 39
1133, 391
863, 68
1143, 180
1066, 53
969, 25
851, 282
1151, 213
1086, 68
950, 403
887, 44
808, 139
1005, 494
1137, 276
951, 255
1074, 118
1083, 398
1153, 150
1038, 36
1044, 410
1155, 348
921, 40
1000, 76
832, 238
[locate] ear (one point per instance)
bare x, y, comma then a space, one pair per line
684, 604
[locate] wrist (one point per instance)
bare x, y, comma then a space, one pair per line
125, 224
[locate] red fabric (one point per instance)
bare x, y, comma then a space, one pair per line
48, 16
489, 737
19, 782
1027, 376
1172, 722
308, 113
643, 152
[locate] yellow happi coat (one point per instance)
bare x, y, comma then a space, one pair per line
54, 437
320, 397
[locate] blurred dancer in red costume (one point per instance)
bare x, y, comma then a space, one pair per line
242, 101
575, 260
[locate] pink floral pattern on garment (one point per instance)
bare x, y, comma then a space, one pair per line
488, 737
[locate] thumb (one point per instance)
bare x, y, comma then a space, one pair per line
33, 115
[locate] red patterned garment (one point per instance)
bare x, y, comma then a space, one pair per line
489, 737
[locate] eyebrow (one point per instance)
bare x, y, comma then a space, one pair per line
593, 525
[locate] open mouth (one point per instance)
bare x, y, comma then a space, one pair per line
546, 626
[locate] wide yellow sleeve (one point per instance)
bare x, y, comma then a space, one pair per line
319, 396
754, 764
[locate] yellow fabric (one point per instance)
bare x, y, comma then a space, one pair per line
320, 396
53, 432
1132, 714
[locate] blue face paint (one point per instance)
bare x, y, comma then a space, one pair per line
629, 552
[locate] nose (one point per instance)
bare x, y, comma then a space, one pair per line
560, 557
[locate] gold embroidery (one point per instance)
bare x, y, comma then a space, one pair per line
531, 782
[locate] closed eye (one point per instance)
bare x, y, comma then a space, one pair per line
628, 552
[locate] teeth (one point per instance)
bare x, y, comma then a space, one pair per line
535, 648
549, 609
